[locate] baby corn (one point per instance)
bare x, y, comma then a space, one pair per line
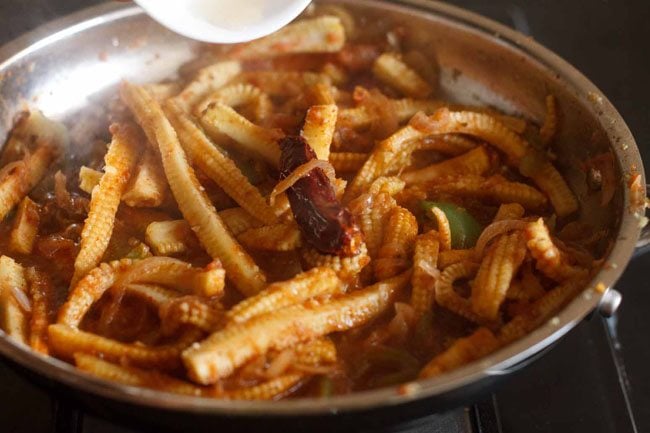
120, 160
224, 351
191, 199
315, 282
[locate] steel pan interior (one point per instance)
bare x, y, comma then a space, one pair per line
70, 69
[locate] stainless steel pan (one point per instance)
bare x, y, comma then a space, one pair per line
69, 67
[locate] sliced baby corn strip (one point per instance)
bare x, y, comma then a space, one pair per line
318, 129
549, 180
180, 275
216, 165
490, 129
317, 35
238, 220
361, 117
425, 272
541, 310
315, 282
31, 131
191, 199
461, 352
450, 257
391, 70
170, 237
123, 273
446, 295
495, 189
549, 129
25, 228
89, 289
338, 75
268, 390
157, 380
347, 162
483, 126
152, 294
283, 83
254, 139
43, 301
163, 91
447, 144
476, 161
236, 95
14, 304
390, 185
221, 353
347, 268
61, 193
65, 341
398, 243
387, 157
514, 123
89, 179
132, 376
444, 230
148, 187
316, 352
278, 237
208, 80
189, 310
120, 160
372, 214
322, 94
550, 261
509, 211
495, 275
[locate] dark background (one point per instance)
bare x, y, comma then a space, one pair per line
577, 387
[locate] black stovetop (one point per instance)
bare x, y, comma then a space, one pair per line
596, 379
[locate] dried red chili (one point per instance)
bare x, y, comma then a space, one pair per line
324, 222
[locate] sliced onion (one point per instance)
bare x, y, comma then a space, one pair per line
364, 201
22, 299
110, 311
299, 173
426, 267
398, 327
407, 311
280, 364
495, 229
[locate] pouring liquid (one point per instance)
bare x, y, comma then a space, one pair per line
224, 20
228, 15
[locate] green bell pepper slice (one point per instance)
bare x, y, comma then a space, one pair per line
465, 230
